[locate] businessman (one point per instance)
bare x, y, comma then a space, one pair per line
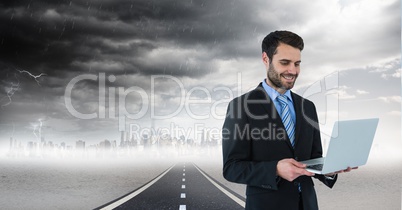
268, 130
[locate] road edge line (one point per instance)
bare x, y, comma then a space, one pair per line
229, 194
131, 195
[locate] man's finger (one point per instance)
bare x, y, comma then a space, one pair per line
298, 164
304, 172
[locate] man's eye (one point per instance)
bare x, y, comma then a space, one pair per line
285, 63
297, 64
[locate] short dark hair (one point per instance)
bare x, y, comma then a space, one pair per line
272, 40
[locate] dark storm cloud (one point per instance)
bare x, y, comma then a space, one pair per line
57, 36
133, 39
130, 39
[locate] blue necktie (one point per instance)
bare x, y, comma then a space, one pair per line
287, 119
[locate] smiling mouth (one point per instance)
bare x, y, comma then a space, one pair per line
289, 77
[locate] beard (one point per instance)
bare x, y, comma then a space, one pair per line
276, 78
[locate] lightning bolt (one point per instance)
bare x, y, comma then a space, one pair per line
10, 91
12, 135
38, 131
34, 131
33, 76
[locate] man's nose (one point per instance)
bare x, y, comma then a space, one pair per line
292, 69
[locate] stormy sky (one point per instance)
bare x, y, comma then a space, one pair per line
75, 70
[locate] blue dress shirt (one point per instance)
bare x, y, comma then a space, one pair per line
272, 93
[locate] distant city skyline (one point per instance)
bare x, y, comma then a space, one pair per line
154, 145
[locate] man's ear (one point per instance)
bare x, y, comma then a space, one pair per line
265, 58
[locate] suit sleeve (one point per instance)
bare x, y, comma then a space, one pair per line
238, 166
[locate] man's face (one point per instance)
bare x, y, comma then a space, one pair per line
284, 68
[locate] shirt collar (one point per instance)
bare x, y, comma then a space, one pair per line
272, 93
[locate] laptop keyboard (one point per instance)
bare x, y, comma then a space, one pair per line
316, 167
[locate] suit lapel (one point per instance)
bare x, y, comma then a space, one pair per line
267, 104
299, 117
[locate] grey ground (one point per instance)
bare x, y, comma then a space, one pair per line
87, 184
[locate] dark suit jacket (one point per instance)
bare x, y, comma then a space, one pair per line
254, 140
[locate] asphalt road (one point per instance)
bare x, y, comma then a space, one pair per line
183, 186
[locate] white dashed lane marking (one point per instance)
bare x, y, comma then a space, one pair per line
183, 195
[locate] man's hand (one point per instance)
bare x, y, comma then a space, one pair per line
342, 171
290, 169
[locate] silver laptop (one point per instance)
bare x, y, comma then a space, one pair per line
350, 148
